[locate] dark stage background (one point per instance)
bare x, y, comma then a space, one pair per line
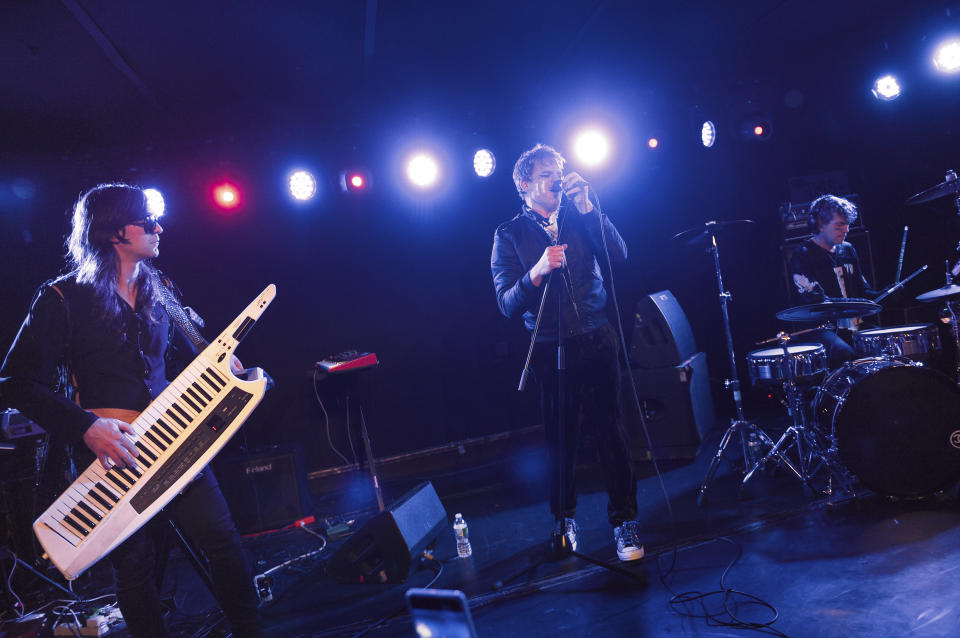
245, 92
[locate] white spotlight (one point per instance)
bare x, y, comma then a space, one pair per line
708, 133
484, 162
947, 57
155, 205
886, 88
303, 185
592, 147
422, 170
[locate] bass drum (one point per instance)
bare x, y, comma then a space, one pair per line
896, 425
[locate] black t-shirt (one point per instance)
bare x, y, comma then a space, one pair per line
818, 272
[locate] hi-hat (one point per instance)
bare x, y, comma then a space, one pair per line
950, 290
830, 310
693, 236
949, 187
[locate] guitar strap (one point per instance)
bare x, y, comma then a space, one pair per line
185, 318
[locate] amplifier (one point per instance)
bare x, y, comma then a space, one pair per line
266, 490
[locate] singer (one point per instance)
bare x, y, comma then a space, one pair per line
546, 238
826, 265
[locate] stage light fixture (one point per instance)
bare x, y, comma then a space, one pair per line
653, 142
422, 170
354, 181
226, 196
484, 162
756, 129
946, 59
303, 185
708, 133
592, 147
155, 204
886, 88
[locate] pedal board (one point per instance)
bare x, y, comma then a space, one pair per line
103, 622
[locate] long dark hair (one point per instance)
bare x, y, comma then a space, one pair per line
99, 217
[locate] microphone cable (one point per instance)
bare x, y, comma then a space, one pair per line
711, 618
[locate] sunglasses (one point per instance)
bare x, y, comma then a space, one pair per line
148, 224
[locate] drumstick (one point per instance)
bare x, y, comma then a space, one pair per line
903, 247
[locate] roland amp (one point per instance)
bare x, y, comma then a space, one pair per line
266, 490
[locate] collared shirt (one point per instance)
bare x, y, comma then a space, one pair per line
112, 364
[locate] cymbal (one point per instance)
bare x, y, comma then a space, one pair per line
950, 290
948, 187
693, 236
831, 309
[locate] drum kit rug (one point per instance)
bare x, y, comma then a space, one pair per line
884, 421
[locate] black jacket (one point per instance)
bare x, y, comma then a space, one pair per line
122, 366
519, 243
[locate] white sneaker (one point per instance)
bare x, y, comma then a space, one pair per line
627, 537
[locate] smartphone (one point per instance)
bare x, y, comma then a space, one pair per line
440, 613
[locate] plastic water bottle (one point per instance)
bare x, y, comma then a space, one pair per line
462, 534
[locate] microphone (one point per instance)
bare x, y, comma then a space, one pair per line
557, 187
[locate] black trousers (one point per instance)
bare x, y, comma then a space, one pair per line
202, 515
592, 404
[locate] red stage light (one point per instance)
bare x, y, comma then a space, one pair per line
758, 130
356, 181
226, 196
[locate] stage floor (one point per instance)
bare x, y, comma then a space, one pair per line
863, 566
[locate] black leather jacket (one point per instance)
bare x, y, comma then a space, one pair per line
519, 243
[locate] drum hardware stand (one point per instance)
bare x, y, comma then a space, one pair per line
738, 426
810, 456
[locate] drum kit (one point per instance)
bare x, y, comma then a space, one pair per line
884, 421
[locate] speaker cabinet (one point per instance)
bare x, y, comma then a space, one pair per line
386, 548
678, 408
264, 491
661, 333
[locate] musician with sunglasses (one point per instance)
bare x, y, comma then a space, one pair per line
95, 349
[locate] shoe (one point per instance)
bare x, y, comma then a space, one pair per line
627, 537
568, 528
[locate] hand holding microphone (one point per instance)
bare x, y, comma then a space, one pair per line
577, 190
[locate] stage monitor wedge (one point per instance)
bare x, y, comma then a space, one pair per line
387, 547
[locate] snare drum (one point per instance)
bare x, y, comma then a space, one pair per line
912, 340
773, 365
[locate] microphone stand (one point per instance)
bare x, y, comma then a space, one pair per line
559, 543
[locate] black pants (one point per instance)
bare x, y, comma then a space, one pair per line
592, 403
202, 515
839, 351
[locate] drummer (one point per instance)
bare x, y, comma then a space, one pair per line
828, 266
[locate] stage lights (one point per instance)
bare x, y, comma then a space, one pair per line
226, 196
354, 181
302, 184
653, 143
155, 204
708, 134
946, 58
484, 162
886, 88
592, 147
756, 128
422, 170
